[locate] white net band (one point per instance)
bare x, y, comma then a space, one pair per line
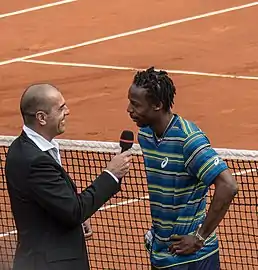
113, 147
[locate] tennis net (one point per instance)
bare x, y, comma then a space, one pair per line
119, 225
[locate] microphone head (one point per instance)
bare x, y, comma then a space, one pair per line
126, 140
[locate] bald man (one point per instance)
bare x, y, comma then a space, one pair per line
47, 209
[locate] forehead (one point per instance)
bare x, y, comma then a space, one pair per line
56, 97
55, 100
136, 93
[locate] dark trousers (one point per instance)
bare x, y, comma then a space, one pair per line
210, 263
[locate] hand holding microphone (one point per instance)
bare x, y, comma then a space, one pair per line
120, 164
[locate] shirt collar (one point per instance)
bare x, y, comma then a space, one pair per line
39, 140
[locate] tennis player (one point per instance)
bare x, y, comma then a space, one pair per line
180, 165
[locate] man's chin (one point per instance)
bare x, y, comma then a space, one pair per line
141, 125
61, 130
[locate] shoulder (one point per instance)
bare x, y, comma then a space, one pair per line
23, 151
187, 127
181, 129
23, 146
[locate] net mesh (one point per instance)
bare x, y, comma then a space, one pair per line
120, 224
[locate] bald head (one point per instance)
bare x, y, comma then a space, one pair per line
37, 97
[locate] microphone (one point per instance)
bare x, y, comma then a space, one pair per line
126, 140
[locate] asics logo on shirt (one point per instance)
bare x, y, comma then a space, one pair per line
164, 163
216, 161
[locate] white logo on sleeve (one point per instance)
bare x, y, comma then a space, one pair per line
216, 161
164, 163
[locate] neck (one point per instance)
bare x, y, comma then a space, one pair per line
160, 126
41, 132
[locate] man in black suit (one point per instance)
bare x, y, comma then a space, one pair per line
48, 211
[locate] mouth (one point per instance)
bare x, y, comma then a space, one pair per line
135, 119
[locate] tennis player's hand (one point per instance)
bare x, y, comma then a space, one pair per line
120, 164
185, 244
87, 230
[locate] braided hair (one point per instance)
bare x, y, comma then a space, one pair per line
160, 88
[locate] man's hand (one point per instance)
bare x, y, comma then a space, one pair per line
87, 230
185, 244
120, 164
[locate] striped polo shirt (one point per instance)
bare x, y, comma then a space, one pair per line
180, 168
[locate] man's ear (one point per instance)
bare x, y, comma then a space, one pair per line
41, 118
158, 106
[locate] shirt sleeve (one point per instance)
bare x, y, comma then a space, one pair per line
201, 160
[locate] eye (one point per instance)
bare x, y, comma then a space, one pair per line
62, 107
134, 104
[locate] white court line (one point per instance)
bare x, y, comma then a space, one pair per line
36, 8
123, 203
172, 71
100, 209
125, 34
8, 233
243, 172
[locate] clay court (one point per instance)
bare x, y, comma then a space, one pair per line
91, 50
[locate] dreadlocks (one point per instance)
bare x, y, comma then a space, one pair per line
159, 86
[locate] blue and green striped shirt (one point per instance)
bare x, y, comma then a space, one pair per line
180, 168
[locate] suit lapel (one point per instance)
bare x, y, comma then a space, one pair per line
66, 176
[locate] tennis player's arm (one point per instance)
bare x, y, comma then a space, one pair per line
225, 190
202, 162
54, 193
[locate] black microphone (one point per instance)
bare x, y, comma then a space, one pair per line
126, 140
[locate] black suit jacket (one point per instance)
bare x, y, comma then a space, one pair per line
47, 210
